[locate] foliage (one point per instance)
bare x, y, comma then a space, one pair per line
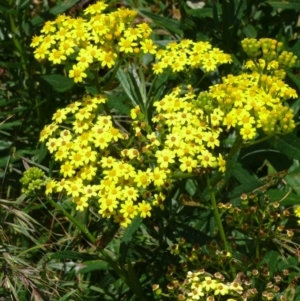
168, 155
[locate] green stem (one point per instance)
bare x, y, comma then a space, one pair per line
117, 67
218, 220
81, 227
92, 239
237, 145
201, 79
259, 140
18, 45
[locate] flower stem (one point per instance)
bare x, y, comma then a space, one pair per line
218, 220
135, 287
81, 227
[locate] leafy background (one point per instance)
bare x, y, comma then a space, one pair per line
43, 256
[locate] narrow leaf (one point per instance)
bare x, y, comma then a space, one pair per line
62, 7
288, 144
285, 4
59, 82
92, 265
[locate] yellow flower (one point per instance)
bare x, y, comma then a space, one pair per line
49, 27
187, 164
50, 187
81, 203
107, 59
144, 209
67, 169
297, 211
207, 159
41, 52
164, 158
130, 193
126, 45
221, 289
77, 72
221, 163
148, 46
248, 132
128, 209
56, 56
108, 203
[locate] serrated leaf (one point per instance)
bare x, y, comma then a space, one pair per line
62, 7
59, 82
241, 174
92, 265
288, 144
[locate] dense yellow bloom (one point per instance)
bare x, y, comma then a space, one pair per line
180, 56
128, 171
98, 37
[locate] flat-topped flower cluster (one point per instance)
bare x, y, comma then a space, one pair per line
93, 42
128, 174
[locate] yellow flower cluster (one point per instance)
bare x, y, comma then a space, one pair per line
84, 146
99, 40
188, 54
252, 101
188, 139
200, 286
273, 61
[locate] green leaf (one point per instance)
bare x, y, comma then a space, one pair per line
295, 79
288, 144
62, 7
199, 13
296, 47
169, 24
241, 174
92, 265
293, 179
127, 238
191, 187
286, 198
59, 82
132, 89
249, 31
271, 258
191, 235
291, 4
10, 125
244, 188
117, 102
66, 296
72, 255
135, 282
